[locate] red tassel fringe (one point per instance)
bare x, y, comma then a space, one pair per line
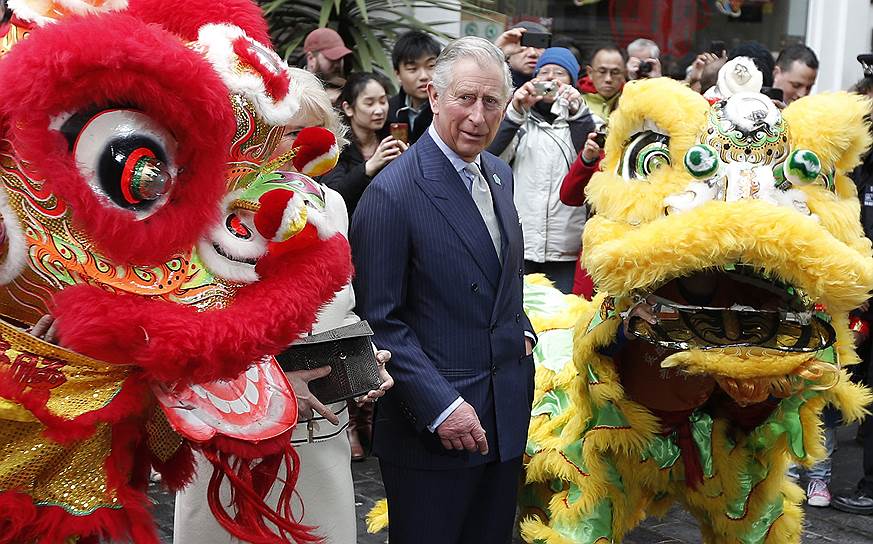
251, 477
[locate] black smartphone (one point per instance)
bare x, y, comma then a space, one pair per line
600, 139
866, 60
717, 47
773, 93
539, 40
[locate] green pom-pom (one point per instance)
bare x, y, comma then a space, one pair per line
701, 161
802, 167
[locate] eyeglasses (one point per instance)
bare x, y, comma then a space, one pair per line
552, 72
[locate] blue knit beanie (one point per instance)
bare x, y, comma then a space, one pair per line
563, 58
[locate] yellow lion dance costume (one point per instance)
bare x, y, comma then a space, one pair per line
736, 225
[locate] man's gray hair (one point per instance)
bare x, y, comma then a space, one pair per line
470, 47
643, 43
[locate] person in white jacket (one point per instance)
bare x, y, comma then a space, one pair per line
545, 127
325, 488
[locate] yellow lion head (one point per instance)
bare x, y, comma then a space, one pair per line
738, 222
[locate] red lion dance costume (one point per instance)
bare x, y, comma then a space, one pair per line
134, 140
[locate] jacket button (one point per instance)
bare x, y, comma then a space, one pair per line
518, 318
520, 272
493, 369
474, 287
493, 328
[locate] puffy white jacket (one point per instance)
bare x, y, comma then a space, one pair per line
541, 154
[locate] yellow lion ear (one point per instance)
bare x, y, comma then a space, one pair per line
834, 125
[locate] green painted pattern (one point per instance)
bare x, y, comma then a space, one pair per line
595, 525
761, 527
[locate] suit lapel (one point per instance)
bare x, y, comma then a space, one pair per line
448, 193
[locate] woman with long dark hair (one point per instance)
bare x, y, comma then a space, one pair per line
364, 104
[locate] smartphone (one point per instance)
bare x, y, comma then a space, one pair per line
545, 88
600, 139
717, 47
400, 131
773, 93
538, 40
866, 60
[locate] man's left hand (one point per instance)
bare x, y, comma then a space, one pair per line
528, 346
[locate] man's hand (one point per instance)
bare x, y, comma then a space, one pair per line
306, 401
462, 431
528, 346
510, 41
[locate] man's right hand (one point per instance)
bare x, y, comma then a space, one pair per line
510, 41
462, 431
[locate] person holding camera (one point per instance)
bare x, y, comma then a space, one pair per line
643, 59
522, 46
545, 126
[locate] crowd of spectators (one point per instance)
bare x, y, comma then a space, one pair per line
551, 135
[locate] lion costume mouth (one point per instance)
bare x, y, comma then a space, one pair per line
732, 307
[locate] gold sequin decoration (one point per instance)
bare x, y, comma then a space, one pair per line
71, 477
76, 384
162, 440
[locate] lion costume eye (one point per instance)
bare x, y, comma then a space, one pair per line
645, 152
124, 155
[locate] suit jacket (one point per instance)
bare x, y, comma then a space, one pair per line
429, 282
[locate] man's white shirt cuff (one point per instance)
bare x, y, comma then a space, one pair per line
446, 413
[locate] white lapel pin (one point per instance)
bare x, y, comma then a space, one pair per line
497, 180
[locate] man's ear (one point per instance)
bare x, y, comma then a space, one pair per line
589, 70
432, 97
776, 71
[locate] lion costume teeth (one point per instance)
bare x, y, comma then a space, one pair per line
738, 224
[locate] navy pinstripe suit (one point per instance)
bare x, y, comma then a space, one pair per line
431, 286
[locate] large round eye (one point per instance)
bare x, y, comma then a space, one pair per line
124, 155
701, 161
645, 153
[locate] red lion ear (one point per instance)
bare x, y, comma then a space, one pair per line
186, 18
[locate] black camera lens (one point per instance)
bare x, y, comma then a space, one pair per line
645, 68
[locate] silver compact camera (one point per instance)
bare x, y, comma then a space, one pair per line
546, 88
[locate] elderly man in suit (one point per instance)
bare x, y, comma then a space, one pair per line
439, 256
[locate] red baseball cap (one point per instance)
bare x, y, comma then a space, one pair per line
327, 42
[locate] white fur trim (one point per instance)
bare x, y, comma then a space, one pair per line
223, 267
215, 41
290, 215
322, 223
16, 256
27, 11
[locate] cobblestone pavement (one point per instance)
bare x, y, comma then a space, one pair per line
823, 525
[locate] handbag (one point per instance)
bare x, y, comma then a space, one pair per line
349, 352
